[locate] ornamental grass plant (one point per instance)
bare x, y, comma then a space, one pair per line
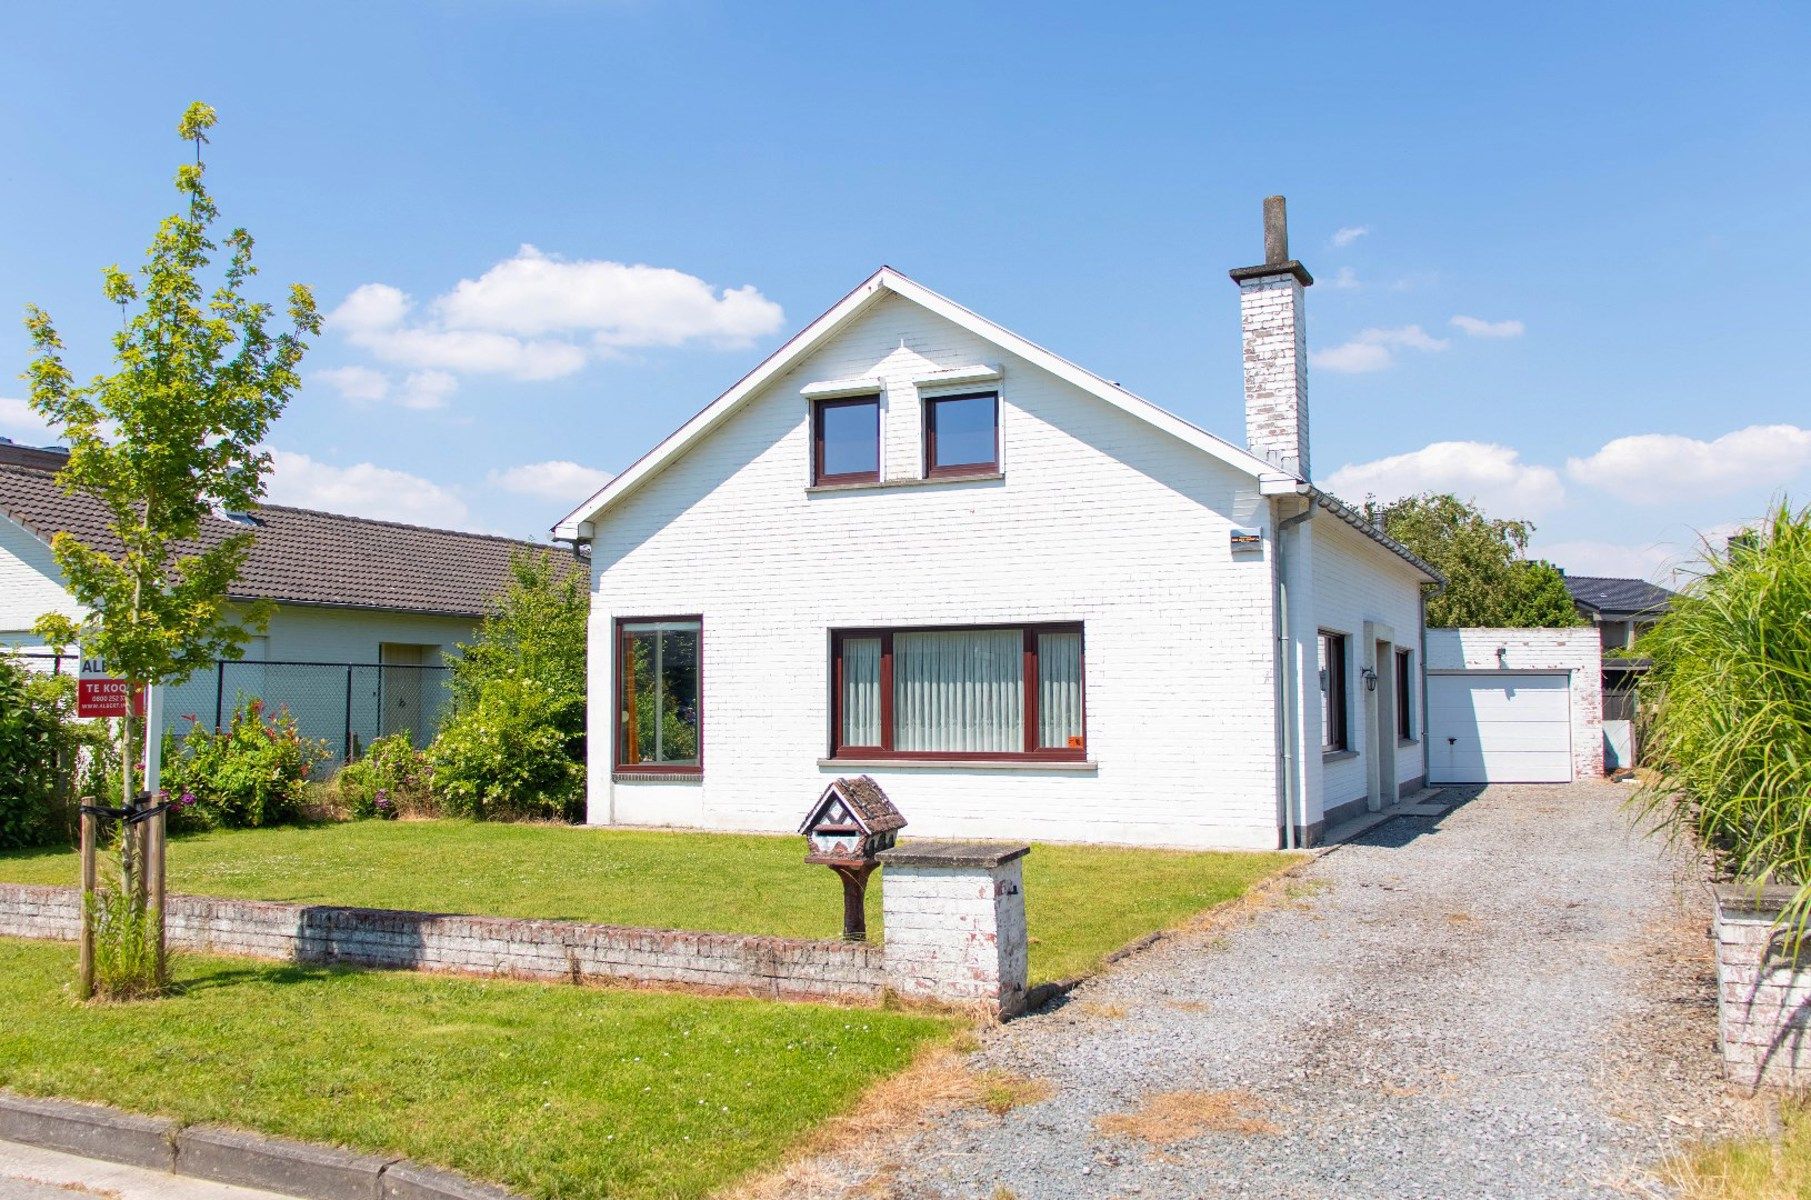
1728, 702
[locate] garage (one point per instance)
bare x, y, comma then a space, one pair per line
1499, 727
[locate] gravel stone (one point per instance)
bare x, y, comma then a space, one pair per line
1514, 999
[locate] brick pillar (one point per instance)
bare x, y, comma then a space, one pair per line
955, 922
1763, 994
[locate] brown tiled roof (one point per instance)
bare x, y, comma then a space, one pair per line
866, 800
300, 556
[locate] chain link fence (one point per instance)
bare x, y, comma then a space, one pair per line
345, 705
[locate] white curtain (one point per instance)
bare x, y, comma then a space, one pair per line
961, 690
1059, 689
861, 691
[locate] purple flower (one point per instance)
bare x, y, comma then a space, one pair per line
382, 802
187, 799
381, 793
163, 794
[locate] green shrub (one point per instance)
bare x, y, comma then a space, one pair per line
253, 772
391, 779
1728, 703
507, 758
46, 756
125, 945
513, 747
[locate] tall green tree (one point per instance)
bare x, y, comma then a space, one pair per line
1490, 581
174, 431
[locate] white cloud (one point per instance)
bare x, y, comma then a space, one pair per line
1348, 234
1665, 563
1653, 468
425, 390
1489, 329
363, 490
19, 421
1374, 349
1493, 476
356, 383
1345, 280
536, 317
558, 480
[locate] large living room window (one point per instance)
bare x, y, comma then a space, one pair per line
1012, 691
659, 726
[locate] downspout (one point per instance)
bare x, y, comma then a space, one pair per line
1427, 742
1294, 817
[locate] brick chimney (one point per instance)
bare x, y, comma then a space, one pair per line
1276, 348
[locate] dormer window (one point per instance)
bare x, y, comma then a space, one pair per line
845, 440
962, 434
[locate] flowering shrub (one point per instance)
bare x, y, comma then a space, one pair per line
506, 757
391, 780
253, 772
46, 756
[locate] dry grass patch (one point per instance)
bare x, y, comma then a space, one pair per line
1190, 1006
1179, 1116
939, 1081
1102, 1009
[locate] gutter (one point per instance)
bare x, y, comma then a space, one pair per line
1357, 520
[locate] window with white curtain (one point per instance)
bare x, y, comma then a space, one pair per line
985, 692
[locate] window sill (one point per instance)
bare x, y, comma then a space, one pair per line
932, 481
657, 777
1408, 741
1333, 756
1071, 765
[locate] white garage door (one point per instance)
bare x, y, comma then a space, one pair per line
1499, 728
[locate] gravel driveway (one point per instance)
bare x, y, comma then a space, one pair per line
1511, 999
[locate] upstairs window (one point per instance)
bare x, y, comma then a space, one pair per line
845, 440
1333, 692
962, 434
1006, 692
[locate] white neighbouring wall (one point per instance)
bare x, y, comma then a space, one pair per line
1577, 651
1099, 518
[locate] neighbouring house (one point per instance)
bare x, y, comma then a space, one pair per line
367, 612
1622, 610
914, 545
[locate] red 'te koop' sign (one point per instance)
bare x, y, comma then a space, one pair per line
100, 695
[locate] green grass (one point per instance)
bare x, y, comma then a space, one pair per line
1752, 1168
1082, 902
557, 1091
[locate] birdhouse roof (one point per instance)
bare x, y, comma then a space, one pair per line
866, 802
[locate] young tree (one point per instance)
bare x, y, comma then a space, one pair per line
1489, 579
174, 431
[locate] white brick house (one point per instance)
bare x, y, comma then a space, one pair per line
914, 545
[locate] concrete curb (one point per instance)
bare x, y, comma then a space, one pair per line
234, 1156
278, 1165
89, 1130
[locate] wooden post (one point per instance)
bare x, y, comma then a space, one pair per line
90, 832
154, 867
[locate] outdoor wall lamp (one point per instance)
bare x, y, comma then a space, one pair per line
1370, 674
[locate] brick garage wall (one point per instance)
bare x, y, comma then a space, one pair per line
1099, 519
1579, 651
1763, 994
781, 968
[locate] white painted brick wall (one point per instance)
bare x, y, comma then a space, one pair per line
957, 933
30, 585
1100, 519
1577, 650
1353, 584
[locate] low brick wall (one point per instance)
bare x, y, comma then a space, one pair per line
1763, 994
779, 968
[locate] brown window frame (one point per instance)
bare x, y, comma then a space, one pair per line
1405, 709
818, 407
1336, 734
1032, 752
931, 469
618, 740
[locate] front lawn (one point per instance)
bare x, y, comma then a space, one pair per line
1082, 902
556, 1091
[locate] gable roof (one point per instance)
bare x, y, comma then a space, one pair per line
1609, 596
300, 556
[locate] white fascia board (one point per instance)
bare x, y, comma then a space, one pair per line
829, 389
960, 376
1080, 377
1275, 484
852, 305
802, 343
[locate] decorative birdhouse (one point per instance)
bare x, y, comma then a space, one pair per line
850, 823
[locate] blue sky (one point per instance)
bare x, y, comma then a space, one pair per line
1561, 251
